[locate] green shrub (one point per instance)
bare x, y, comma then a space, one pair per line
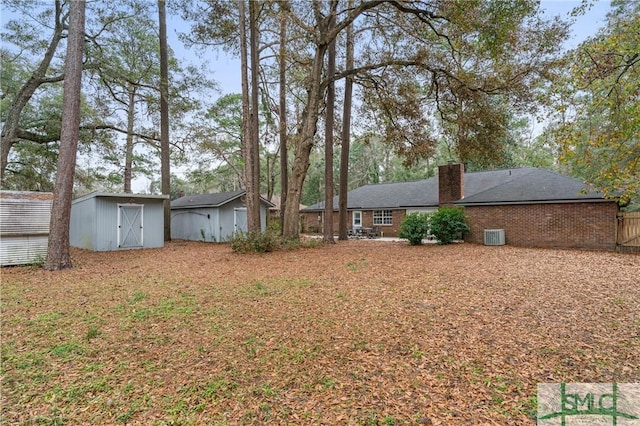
254, 242
263, 242
414, 227
448, 224
273, 224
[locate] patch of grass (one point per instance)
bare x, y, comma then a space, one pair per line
48, 319
218, 388
355, 266
92, 332
327, 383
68, 350
138, 296
126, 416
267, 390
141, 314
261, 289
374, 419
271, 287
417, 354
56, 420
251, 346
169, 307
22, 361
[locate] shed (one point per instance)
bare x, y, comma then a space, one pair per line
105, 222
24, 226
213, 217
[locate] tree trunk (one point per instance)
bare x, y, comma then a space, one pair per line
343, 224
128, 153
11, 125
305, 141
253, 147
58, 253
164, 118
246, 112
327, 225
284, 164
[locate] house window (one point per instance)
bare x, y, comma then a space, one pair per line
383, 217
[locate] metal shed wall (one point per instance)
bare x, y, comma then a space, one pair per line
95, 221
199, 224
24, 226
82, 226
217, 223
227, 218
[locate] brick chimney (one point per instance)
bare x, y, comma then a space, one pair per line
450, 183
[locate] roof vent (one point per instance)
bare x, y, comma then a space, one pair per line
494, 237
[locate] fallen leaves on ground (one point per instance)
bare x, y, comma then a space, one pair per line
360, 332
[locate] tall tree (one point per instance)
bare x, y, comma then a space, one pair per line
126, 73
328, 132
418, 60
282, 111
252, 152
599, 131
58, 253
244, 80
13, 130
164, 117
343, 224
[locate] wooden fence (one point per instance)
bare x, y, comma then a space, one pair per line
629, 230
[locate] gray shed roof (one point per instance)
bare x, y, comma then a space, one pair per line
210, 200
521, 185
97, 194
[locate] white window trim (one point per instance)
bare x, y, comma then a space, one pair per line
381, 215
353, 220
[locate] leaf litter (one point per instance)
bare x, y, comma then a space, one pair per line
356, 333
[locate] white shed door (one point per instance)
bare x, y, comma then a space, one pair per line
130, 225
240, 219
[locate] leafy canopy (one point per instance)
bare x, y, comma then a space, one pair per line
600, 132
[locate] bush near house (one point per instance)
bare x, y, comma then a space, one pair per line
414, 228
448, 224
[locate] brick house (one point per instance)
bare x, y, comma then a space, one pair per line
535, 207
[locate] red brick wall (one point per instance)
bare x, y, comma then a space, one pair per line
310, 223
450, 183
571, 225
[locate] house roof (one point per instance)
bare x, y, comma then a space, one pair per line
532, 186
509, 186
210, 200
276, 200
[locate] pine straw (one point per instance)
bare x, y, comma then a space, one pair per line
361, 332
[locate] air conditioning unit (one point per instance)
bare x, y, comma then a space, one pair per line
494, 237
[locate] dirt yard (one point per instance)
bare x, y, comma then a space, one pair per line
357, 333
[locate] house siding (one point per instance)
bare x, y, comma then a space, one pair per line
559, 225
